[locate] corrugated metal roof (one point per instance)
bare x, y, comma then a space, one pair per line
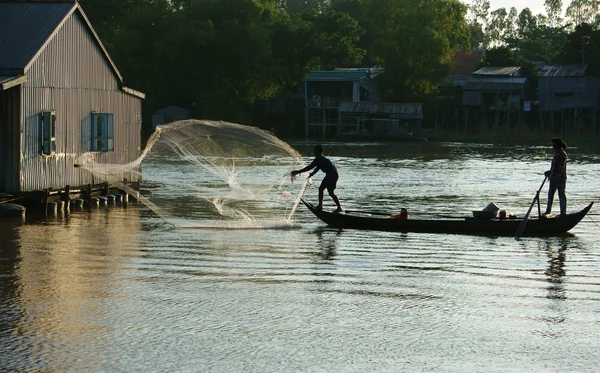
498, 70
344, 74
25, 28
562, 70
381, 108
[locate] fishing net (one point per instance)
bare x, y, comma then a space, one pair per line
199, 173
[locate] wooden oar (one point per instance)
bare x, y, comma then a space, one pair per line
524, 222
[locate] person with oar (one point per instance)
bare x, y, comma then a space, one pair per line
558, 179
557, 175
329, 181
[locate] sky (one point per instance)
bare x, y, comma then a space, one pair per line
536, 6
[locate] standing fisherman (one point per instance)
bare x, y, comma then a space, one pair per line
558, 176
329, 181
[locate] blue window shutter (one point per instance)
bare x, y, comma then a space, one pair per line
110, 133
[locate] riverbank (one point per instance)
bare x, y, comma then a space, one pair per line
587, 141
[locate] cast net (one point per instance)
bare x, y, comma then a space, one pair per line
199, 173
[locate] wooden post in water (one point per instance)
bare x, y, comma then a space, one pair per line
89, 194
46, 198
67, 197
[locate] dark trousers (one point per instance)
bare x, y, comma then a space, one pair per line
557, 185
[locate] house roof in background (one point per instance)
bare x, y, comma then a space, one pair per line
498, 71
344, 74
547, 71
465, 63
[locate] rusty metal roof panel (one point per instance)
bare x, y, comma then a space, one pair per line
508, 79
25, 27
498, 70
381, 108
548, 71
495, 84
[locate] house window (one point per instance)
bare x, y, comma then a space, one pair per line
48, 132
103, 132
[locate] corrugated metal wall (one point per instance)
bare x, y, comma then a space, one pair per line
72, 77
567, 92
10, 114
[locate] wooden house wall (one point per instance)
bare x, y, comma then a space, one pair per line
567, 92
72, 76
10, 144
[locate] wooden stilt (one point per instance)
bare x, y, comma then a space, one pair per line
46, 199
89, 194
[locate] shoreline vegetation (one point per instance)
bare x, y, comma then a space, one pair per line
501, 138
227, 62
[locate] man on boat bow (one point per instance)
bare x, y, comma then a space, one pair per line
329, 181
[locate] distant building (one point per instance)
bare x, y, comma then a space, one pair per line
168, 115
493, 98
381, 119
568, 98
566, 87
495, 88
325, 90
447, 107
61, 96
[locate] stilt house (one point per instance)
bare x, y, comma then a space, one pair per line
568, 99
61, 98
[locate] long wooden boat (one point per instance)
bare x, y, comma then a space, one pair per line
544, 226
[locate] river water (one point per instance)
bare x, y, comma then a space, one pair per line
116, 289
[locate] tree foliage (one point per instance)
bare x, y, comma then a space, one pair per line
415, 42
582, 46
219, 57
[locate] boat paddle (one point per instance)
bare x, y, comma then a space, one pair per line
524, 222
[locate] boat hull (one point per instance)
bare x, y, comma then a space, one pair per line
552, 226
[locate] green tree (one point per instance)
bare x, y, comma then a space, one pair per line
536, 42
553, 11
497, 28
355, 9
415, 42
478, 19
582, 46
331, 38
582, 11
301, 6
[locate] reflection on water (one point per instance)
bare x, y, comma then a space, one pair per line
117, 289
63, 270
